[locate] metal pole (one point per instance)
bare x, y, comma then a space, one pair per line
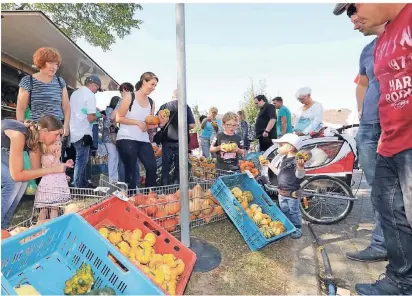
182, 116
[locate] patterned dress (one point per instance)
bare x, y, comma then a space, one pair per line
53, 190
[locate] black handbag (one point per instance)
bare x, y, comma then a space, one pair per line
87, 140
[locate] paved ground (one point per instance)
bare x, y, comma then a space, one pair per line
290, 265
351, 234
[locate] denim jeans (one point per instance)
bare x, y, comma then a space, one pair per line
170, 155
11, 194
392, 198
96, 135
113, 162
290, 207
367, 143
80, 168
130, 151
122, 177
205, 145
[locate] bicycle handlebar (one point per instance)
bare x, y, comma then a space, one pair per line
345, 127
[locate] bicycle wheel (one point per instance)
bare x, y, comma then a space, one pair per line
324, 210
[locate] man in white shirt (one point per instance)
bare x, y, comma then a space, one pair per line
83, 110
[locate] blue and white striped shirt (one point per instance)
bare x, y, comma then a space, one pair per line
46, 98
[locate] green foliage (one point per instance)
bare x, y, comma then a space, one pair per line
197, 114
98, 23
248, 104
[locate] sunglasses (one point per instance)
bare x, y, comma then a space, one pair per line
231, 125
351, 10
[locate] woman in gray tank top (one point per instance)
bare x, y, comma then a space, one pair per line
17, 137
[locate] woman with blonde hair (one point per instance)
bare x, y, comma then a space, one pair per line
16, 139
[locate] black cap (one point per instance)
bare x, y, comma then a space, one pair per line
339, 8
94, 79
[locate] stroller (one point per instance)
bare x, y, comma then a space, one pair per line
327, 195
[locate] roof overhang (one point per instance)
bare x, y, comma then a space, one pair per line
23, 32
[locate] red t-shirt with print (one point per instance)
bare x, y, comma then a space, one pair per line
393, 69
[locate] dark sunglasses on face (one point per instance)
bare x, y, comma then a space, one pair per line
351, 10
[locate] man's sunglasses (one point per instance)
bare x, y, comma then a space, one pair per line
351, 10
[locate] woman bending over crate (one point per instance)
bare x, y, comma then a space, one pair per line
53, 190
16, 138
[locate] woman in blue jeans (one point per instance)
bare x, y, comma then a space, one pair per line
132, 138
16, 138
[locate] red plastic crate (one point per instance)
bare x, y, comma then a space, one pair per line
115, 212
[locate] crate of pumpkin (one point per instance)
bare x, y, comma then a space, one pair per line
162, 257
162, 204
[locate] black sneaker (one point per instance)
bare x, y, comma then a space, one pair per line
384, 286
367, 255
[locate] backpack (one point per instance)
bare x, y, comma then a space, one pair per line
132, 100
251, 133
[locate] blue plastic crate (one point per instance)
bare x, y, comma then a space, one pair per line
254, 157
59, 249
250, 232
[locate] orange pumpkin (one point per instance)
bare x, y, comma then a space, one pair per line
170, 224
208, 218
218, 210
138, 199
150, 205
173, 205
4, 234
152, 120
161, 214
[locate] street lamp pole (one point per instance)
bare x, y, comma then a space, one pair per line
183, 133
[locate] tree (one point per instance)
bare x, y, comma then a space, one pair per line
197, 114
248, 103
98, 23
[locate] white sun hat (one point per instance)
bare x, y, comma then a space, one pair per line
291, 139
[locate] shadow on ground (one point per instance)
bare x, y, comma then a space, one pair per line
284, 267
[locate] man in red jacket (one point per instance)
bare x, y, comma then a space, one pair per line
392, 188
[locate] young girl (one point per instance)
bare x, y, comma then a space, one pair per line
53, 190
227, 155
